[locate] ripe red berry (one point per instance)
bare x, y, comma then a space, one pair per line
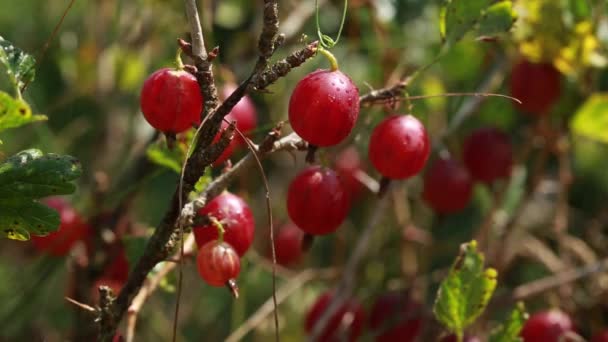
600, 337
345, 324
71, 229
118, 268
218, 263
234, 143
324, 107
347, 165
288, 245
171, 100
447, 186
394, 317
399, 147
452, 338
546, 326
536, 85
236, 218
488, 155
243, 112
316, 201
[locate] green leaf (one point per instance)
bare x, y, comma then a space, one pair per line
27, 177
161, 155
509, 331
498, 18
15, 112
458, 17
591, 119
202, 182
19, 65
465, 292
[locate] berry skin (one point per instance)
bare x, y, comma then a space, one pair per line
536, 85
334, 331
399, 147
394, 317
288, 245
347, 165
71, 229
324, 107
447, 186
243, 113
546, 326
218, 263
488, 155
316, 201
600, 337
171, 100
236, 218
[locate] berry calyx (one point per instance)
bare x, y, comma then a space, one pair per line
71, 229
347, 165
316, 201
345, 324
218, 264
394, 317
536, 85
399, 147
324, 107
171, 100
447, 186
235, 217
288, 245
488, 155
546, 326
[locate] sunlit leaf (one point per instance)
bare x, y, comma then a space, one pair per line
15, 112
498, 18
591, 119
509, 330
19, 65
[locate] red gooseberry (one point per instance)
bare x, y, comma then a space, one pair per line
243, 112
218, 263
236, 219
288, 245
394, 317
487, 154
546, 326
171, 100
447, 186
71, 229
347, 165
324, 107
536, 85
345, 324
399, 147
600, 337
316, 201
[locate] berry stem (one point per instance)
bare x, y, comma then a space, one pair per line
307, 241
310, 155
330, 57
233, 287
178, 59
220, 228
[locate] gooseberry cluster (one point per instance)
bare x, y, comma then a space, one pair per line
223, 239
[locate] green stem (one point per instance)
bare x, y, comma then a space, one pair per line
220, 228
325, 40
330, 57
178, 59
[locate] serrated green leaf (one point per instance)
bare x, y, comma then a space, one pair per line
19, 65
161, 155
20, 218
498, 18
15, 112
509, 331
591, 119
27, 177
465, 292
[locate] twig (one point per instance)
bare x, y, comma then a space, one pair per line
283, 293
196, 32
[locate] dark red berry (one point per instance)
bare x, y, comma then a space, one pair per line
118, 268
345, 324
71, 229
546, 326
394, 317
218, 263
243, 113
288, 245
171, 100
348, 164
316, 201
600, 337
536, 85
487, 154
324, 107
236, 218
447, 186
234, 143
399, 147
453, 338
